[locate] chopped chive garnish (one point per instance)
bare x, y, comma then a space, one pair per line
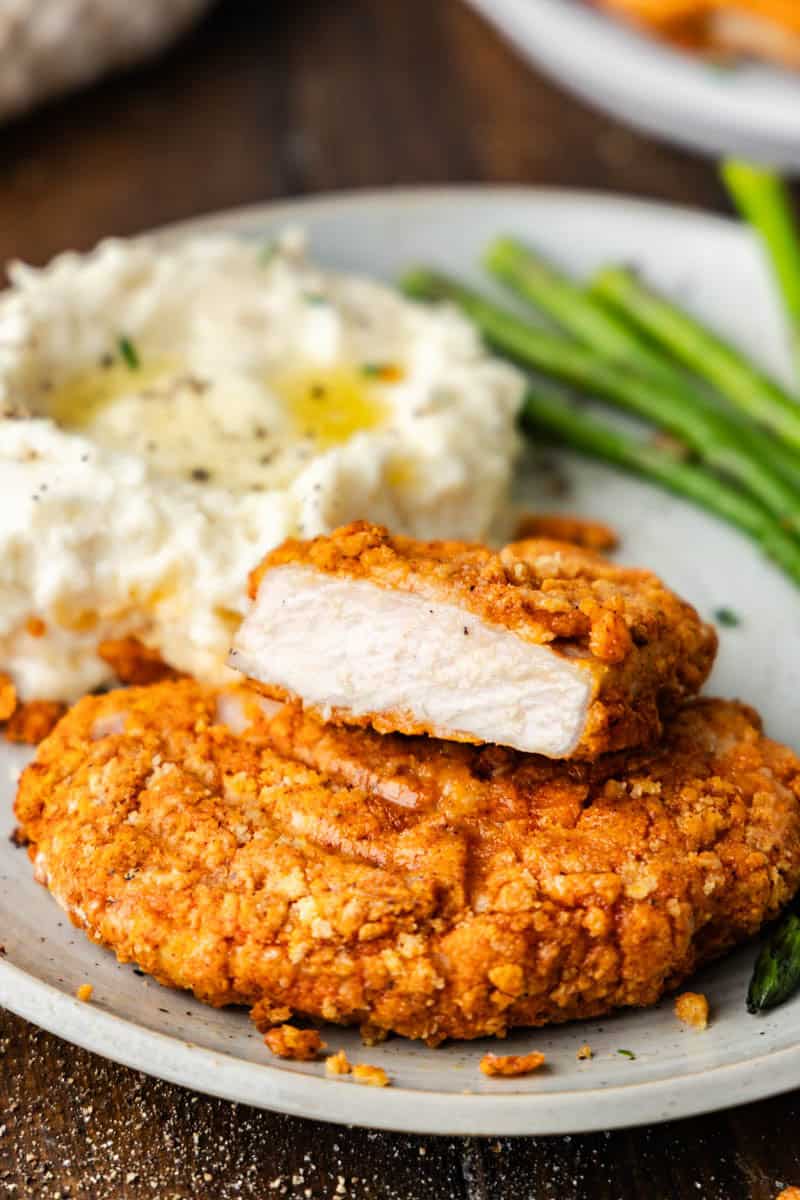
267, 253
627, 1054
315, 298
129, 353
727, 617
372, 370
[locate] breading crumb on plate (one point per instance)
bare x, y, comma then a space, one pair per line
692, 1009
433, 890
338, 1063
371, 1076
512, 1064
544, 646
302, 1045
84, 992
584, 1051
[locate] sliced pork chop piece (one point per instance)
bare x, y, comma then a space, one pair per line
542, 647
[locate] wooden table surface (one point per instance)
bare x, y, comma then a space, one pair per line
268, 100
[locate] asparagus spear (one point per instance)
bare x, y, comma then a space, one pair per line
776, 974
764, 200
576, 310
572, 426
746, 387
707, 432
593, 323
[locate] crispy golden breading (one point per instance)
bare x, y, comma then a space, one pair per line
8, 697
512, 1064
33, 721
370, 1075
692, 1009
578, 531
133, 662
302, 1045
646, 649
434, 890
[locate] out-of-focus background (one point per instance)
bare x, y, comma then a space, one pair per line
260, 100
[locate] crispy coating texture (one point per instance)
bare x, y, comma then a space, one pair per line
370, 1075
30, 722
578, 531
434, 890
302, 1045
133, 662
510, 1065
692, 1009
647, 649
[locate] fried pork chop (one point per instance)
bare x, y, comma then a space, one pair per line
435, 890
543, 647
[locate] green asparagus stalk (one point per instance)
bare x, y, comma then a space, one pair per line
568, 423
573, 308
708, 433
776, 974
763, 199
739, 381
584, 317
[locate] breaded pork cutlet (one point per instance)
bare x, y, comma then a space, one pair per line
434, 890
543, 647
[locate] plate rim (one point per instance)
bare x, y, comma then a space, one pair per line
661, 91
405, 1110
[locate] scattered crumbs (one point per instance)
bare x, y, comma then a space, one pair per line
337, 1064
466, 631
585, 1051
371, 1076
129, 353
36, 627
302, 1045
692, 1009
200, 474
727, 617
512, 1064
627, 1054
84, 992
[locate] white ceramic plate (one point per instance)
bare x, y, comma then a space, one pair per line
751, 110
714, 268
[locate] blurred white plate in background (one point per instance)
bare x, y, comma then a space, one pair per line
715, 269
750, 110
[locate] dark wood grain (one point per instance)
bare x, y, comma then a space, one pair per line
267, 100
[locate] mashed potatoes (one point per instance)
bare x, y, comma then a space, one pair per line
171, 412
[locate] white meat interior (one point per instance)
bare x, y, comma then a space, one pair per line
344, 643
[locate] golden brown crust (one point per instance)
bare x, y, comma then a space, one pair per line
33, 721
438, 891
510, 1065
133, 662
301, 1045
577, 531
647, 649
692, 1009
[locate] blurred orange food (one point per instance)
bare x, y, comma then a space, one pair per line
767, 29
